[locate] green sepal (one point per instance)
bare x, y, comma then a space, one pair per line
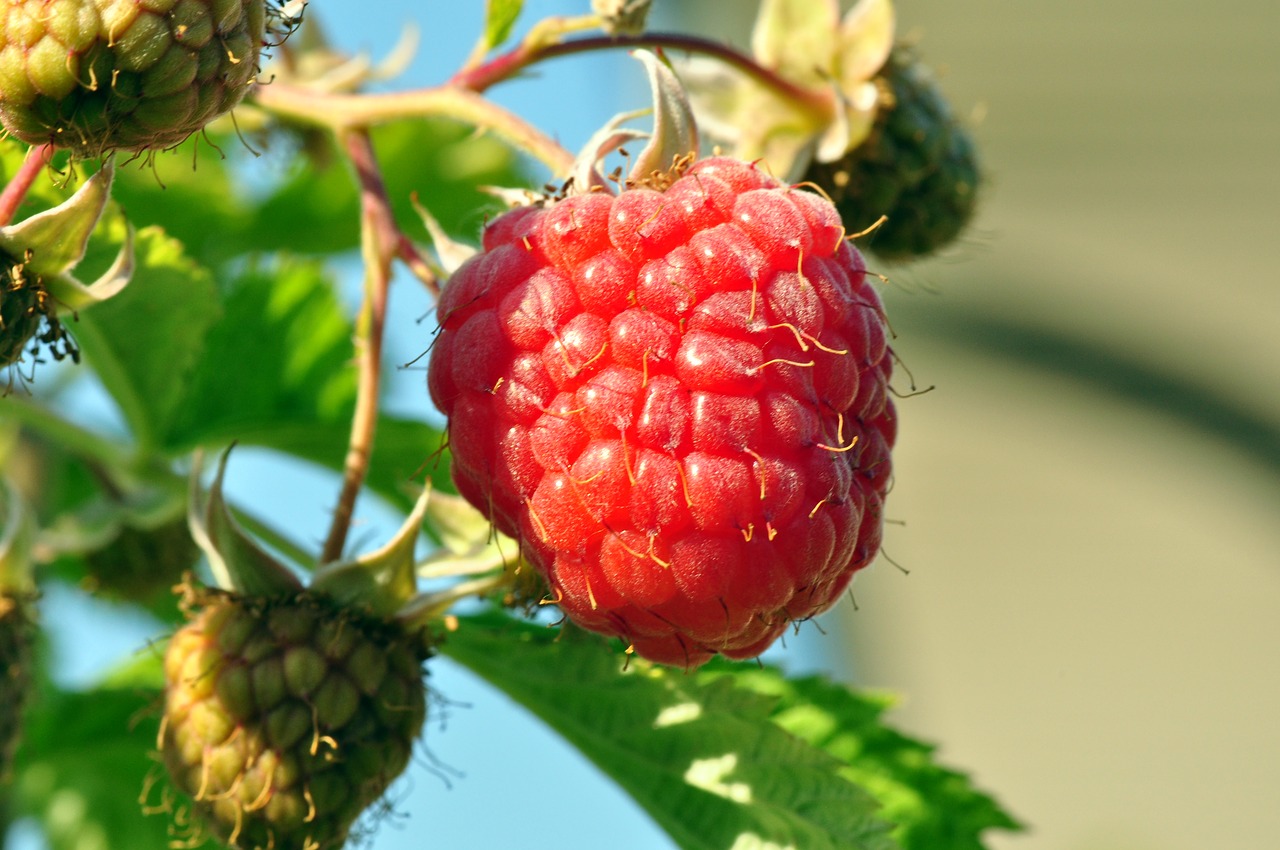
460, 526
468, 539
675, 132
49, 244
238, 563
584, 176
450, 254
383, 580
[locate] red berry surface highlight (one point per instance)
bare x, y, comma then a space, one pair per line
676, 401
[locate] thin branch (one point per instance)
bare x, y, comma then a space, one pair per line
511, 63
344, 112
14, 193
380, 244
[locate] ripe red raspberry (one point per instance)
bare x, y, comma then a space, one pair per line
676, 401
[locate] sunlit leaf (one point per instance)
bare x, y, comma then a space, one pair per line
146, 342
934, 807
500, 17
277, 358
189, 192
702, 756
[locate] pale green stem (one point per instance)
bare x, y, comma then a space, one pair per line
342, 112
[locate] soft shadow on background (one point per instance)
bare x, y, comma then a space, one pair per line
1090, 493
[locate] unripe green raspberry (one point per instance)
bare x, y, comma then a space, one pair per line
20, 310
142, 564
101, 75
26, 306
918, 167
286, 717
15, 674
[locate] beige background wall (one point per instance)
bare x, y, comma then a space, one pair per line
1092, 493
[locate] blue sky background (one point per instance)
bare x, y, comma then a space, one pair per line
487, 774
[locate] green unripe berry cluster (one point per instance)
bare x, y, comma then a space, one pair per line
918, 167
286, 717
101, 75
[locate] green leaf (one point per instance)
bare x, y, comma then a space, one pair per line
83, 764
278, 358
316, 209
277, 373
200, 197
146, 342
675, 132
934, 807
500, 18
189, 192
236, 560
701, 755
57, 237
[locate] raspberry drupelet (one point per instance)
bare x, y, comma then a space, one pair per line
675, 398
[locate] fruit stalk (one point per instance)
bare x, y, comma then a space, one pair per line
380, 241
16, 190
513, 62
340, 112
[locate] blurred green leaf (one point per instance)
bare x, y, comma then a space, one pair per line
316, 210
307, 208
934, 808
188, 191
276, 362
145, 343
700, 754
277, 374
500, 17
83, 764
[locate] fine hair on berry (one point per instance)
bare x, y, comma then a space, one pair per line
675, 398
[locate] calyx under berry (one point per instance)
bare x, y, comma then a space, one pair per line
290, 708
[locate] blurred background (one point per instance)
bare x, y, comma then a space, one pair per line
1086, 502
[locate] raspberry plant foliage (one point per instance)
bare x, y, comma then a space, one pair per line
278, 708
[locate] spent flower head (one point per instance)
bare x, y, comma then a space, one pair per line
809, 44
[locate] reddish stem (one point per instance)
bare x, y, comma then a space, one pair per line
380, 244
511, 63
14, 193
